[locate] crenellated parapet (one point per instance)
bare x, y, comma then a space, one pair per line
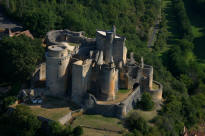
57, 36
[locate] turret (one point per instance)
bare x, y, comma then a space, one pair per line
57, 60
108, 47
108, 81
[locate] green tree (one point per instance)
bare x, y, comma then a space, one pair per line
146, 102
19, 122
9, 101
56, 128
19, 56
39, 21
136, 124
78, 131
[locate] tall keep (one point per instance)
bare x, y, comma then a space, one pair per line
57, 60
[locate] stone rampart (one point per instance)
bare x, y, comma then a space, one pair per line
57, 60
81, 72
148, 72
116, 46
55, 37
65, 118
118, 110
108, 78
130, 103
157, 93
39, 74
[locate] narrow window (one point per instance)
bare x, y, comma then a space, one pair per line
59, 63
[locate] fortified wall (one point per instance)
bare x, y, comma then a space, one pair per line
81, 72
104, 40
119, 110
90, 72
56, 37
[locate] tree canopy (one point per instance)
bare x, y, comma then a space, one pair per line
146, 102
19, 56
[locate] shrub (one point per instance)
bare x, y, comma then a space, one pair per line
9, 101
136, 124
78, 131
146, 102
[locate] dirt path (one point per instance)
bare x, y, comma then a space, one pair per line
153, 35
154, 30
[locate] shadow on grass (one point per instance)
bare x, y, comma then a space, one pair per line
197, 20
50, 102
171, 23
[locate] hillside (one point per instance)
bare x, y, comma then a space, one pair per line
197, 20
133, 18
177, 56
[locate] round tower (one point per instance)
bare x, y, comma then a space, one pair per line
57, 60
109, 77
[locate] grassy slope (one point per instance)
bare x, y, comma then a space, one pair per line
198, 26
98, 125
52, 108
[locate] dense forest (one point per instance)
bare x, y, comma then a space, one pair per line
175, 63
40, 16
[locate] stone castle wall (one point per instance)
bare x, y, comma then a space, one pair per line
157, 93
118, 110
148, 72
81, 72
129, 76
108, 80
100, 41
55, 37
39, 74
56, 70
123, 80
118, 51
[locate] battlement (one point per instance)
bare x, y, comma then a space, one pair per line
57, 51
55, 37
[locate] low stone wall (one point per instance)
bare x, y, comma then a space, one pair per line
39, 74
118, 110
130, 103
69, 116
65, 118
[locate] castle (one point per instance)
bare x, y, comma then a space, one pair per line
90, 71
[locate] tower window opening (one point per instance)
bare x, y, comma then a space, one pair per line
60, 63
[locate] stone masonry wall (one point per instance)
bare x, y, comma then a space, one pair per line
148, 72
118, 110
40, 72
157, 93
80, 80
